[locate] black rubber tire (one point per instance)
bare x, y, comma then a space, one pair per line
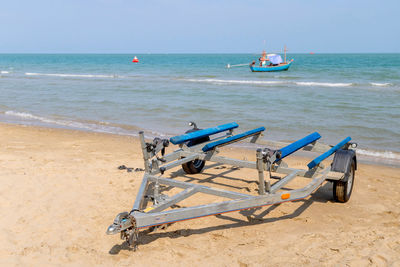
194, 166
197, 165
342, 190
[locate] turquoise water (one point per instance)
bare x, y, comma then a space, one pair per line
335, 94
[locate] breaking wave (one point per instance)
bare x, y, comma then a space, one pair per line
218, 81
379, 154
380, 84
324, 84
72, 75
288, 82
105, 127
89, 126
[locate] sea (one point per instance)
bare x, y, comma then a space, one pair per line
337, 95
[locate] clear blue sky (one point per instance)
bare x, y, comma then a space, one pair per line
203, 26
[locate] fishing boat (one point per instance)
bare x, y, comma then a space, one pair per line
278, 67
271, 62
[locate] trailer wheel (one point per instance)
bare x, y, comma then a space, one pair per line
194, 166
197, 165
342, 189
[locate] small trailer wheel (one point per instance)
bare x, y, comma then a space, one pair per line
194, 166
197, 165
342, 189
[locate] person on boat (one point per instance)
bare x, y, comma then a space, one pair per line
263, 59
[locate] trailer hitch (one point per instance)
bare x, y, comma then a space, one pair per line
121, 222
125, 224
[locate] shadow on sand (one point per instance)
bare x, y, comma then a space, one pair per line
323, 195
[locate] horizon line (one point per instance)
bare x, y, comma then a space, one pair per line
180, 53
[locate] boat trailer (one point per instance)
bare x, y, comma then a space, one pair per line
152, 208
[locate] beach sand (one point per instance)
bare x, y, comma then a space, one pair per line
61, 189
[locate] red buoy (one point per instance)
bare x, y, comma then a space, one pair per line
135, 60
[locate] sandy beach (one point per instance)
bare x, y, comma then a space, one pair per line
61, 189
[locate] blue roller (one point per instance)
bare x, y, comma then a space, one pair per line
202, 133
293, 147
323, 156
231, 139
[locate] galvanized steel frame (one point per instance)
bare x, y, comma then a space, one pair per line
142, 216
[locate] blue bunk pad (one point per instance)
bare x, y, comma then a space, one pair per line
293, 147
202, 133
232, 139
323, 156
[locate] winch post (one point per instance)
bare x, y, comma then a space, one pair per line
144, 152
260, 168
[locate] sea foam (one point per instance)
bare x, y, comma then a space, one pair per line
218, 81
324, 84
105, 128
379, 154
96, 127
71, 75
380, 84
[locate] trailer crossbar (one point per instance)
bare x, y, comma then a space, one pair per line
278, 185
200, 188
145, 220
